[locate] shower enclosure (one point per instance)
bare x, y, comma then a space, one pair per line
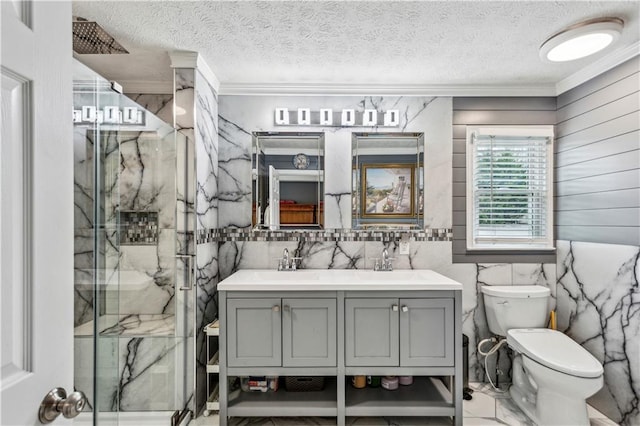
134, 258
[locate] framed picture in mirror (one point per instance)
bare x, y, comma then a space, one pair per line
388, 191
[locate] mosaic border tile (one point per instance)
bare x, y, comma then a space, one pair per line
327, 235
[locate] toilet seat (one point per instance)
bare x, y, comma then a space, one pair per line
554, 350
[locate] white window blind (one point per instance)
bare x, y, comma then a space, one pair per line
509, 205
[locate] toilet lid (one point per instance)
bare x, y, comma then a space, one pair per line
554, 350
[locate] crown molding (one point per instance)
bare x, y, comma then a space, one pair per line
598, 67
147, 87
186, 59
321, 89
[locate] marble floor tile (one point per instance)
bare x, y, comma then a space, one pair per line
509, 413
480, 405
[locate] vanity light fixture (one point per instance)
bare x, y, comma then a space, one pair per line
282, 116
304, 116
370, 117
348, 117
582, 39
326, 117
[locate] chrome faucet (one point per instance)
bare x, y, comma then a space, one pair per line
287, 263
383, 264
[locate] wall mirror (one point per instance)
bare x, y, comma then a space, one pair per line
387, 180
288, 180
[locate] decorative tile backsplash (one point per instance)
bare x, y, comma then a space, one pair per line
236, 234
138, 228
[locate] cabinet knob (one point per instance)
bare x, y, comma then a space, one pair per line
405, 308
394, 308
276, 308
286, 308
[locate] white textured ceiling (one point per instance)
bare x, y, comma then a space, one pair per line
365, 43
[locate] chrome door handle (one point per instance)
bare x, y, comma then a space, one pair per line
57, 402
190, 274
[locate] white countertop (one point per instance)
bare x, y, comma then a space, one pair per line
336, 280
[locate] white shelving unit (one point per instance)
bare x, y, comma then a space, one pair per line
212, 330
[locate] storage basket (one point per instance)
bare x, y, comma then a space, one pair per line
304, 383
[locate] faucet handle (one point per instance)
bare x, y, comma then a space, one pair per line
376, 263
294, 263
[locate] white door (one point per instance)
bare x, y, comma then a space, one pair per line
36, 207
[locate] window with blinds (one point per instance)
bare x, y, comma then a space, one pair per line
510, 188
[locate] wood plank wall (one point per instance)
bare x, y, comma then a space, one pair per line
490, 111
597, 159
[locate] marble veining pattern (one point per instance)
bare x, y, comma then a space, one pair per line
206, 211
598, 298
206, 153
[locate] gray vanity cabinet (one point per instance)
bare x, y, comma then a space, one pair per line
371, 332
399, 332
309, 333
254, 332
426, 332
288, 332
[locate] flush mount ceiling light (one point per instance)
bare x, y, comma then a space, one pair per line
582, 39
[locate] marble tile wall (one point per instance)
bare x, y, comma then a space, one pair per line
207, 160
195, 95
598, 298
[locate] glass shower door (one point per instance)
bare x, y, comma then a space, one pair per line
137, 313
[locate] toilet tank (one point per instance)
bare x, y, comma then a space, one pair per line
515, 306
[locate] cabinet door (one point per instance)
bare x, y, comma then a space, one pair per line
371, 332
254, 332
426, 332
309, 332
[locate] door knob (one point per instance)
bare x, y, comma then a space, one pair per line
57, 402
394, 308
276, 308
405, 308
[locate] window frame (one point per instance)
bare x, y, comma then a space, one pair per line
504, 244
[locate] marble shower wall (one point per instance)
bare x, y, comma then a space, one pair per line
136, 169
598, 296
239, 116
195, 94
135, 373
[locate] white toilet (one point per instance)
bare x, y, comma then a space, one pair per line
552, 374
